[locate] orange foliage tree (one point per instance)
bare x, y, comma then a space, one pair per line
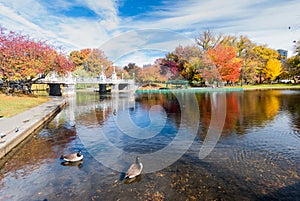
91, 63
228, 65
151, 74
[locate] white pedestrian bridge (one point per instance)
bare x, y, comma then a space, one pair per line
67, 84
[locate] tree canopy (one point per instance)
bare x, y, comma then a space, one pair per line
24, 59
213, 57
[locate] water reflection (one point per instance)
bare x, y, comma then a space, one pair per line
256, 158
72, 164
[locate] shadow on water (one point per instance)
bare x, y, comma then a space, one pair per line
132, 180
78, 164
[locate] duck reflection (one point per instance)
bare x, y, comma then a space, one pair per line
74, 164
134, 179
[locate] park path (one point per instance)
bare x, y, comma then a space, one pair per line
14, 130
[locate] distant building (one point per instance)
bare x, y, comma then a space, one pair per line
283, 53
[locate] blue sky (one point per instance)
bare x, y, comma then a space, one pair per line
139, 31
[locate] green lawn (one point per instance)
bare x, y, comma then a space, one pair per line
12, 105
262, 86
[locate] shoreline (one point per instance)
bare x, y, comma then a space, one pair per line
225, 89
272, 88
14, 130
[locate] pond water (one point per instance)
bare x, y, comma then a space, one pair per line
194, 146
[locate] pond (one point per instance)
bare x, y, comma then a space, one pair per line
194, 146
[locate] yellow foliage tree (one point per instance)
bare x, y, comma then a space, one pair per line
273, 69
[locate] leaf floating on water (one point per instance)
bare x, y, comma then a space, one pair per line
159, 174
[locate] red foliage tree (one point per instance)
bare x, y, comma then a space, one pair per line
228, 65
23, 59
169, 69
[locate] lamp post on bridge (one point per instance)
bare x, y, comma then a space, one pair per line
102, 76
114, 75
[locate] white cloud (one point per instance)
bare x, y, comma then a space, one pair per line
261, 20
139, 58
143, 40
14, 19
107, 9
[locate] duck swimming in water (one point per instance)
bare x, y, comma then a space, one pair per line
135, 169
73, 157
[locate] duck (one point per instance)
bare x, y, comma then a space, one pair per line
73, 157
135, 169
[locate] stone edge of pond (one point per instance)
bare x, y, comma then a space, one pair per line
16, 129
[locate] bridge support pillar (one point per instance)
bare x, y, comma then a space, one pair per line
115, 88
69, 89
102, 88
55, 90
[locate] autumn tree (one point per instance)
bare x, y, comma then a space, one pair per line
96, 62
132, 70
78, 59
273, 69
183, 63
292, 65
24, 59
151, 74
189, 62
209, 71
228, 65
169, 67
262, 55
208, 40
244, 48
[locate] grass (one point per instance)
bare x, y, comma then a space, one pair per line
266, 86
12, 105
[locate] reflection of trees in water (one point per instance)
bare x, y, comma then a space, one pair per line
207, 104
244, 110
168, 101
291, 104
99, 108
263, 105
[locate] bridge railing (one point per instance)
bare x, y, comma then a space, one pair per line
99, 81
74, 80
58, 80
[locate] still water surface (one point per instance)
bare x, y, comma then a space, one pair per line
256, 157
